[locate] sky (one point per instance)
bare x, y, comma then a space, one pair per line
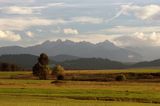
123, 22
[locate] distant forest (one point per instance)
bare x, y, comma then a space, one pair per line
9, 67
26, 62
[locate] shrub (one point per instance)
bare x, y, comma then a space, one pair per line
121, 77
58, 71
149, 76
60, 77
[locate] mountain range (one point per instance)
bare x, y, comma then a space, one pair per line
26, 61
83, 49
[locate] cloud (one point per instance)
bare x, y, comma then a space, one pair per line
56, 4
135, 35
56, 30
20, 24
139, 39
85, 19
17, 10
17, 1
142, 12
60, 4
132, 29
70, 31
153, 37
20, 10
30, 34
9, 36
93, 38
122, 10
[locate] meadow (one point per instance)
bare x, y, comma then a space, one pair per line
21, 89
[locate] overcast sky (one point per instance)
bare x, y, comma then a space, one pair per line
124, 22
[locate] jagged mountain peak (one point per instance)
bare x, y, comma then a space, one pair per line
85, 49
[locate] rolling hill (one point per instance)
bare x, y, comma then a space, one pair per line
23, 60
26, 61
62, 58
92, 64
154, 63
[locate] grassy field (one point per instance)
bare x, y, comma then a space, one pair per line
42, 101
132, 70
32, 92
82, 73
136, 70
43, 93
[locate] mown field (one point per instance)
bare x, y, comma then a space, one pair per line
18, 89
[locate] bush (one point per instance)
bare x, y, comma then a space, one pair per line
121, 77
58, 71
149, 76
60, 77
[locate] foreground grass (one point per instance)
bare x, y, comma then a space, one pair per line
115, 91
90, 94
9, 75
7, 100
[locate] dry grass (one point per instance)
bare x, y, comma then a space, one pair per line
134, 70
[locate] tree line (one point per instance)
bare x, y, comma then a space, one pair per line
9, 67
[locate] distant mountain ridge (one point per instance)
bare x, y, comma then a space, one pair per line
154, 63
84, 49
26, 61
23, 60
63, 57
92, 64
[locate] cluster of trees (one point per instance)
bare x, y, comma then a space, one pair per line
9, 67
42, 70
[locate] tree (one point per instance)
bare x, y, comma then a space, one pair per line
43, 59
41, 69
58, 71
14, 67
5, 67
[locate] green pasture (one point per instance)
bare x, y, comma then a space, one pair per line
32, 92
